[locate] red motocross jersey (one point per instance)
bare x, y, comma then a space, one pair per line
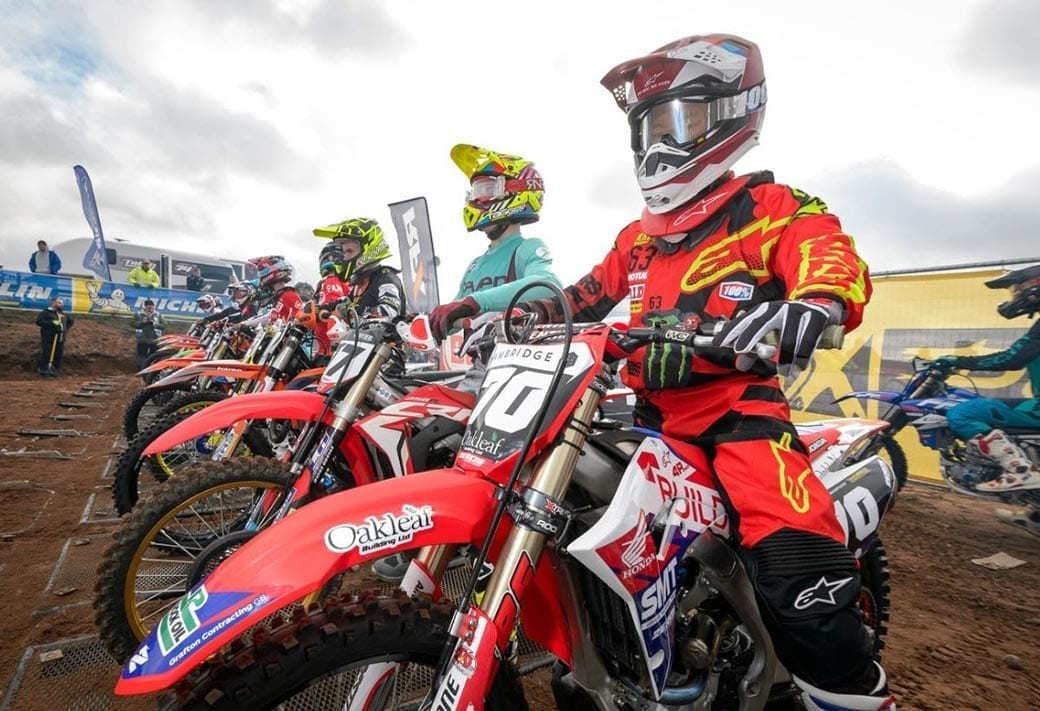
748, 241
287, 305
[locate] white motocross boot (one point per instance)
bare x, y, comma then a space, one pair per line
1019, 471
879, 699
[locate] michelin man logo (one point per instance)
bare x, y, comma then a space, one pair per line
115, 302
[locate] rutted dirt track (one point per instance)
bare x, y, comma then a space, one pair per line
953, 623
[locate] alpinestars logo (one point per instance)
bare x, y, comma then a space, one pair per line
822, 592
379, 532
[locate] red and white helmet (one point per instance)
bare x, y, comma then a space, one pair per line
694, 106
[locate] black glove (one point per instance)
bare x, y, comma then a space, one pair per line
799, 323
667, 365
443, 316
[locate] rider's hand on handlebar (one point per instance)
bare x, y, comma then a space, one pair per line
799, 323
946, 363
442, 317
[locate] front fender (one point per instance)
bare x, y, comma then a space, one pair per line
882, 395
298, 555
281, 405
230, 369
175, 362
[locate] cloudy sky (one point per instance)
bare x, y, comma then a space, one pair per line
235, 127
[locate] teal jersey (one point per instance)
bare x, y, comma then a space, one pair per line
509, 263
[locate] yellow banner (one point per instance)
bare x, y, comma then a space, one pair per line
924, 315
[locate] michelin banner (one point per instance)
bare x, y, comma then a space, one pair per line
913, 315
22, 290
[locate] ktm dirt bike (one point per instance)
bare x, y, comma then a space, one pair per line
621, 565
144, 405
189, 525
923, 404
281, 357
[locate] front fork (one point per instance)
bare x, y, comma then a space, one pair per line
483, 631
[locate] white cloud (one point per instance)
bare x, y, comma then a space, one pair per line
236, 128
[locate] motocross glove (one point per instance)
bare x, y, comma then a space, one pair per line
667, 365
800, 325
945, 363
443, 316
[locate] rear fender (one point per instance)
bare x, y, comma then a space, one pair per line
302, 552
230, 369
281, 405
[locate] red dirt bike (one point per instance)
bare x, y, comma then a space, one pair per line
620, 564
280, 355
368, 426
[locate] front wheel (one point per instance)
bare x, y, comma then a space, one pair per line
173, 539
316, 660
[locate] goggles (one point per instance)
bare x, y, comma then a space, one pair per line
683, 121
485, 188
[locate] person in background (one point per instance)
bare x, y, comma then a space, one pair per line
505, 193
144, 276
43, 260
195, 282
148, 327
54, 325
305, 290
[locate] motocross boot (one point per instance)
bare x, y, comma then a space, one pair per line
877, 699
1029, 520
1019, 471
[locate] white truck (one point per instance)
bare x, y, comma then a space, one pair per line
173, 266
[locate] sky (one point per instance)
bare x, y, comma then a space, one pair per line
234, 128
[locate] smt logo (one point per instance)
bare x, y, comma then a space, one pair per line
378, 532
736, 291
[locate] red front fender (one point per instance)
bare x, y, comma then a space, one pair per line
231, 369
281, 405
301, 553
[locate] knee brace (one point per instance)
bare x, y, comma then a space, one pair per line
807, 587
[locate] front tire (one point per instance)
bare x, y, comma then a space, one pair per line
318, 654
157, 547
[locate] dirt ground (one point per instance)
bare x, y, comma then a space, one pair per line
953, 623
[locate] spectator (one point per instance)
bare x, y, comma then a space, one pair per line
54, 324
144, 276
148, 327
195, 280
44, 261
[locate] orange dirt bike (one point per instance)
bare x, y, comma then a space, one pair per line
622, 565
282, 356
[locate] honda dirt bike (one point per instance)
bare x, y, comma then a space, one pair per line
923, 404
280, 357
185, 528
620, 563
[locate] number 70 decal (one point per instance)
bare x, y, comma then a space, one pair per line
510, 397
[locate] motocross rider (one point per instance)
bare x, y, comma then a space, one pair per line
279, 300
980, 421
711, 245
373, 289
505, 193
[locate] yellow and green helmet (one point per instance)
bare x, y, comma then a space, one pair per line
369, 237
504, 188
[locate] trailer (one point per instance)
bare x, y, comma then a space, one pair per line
172, 266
